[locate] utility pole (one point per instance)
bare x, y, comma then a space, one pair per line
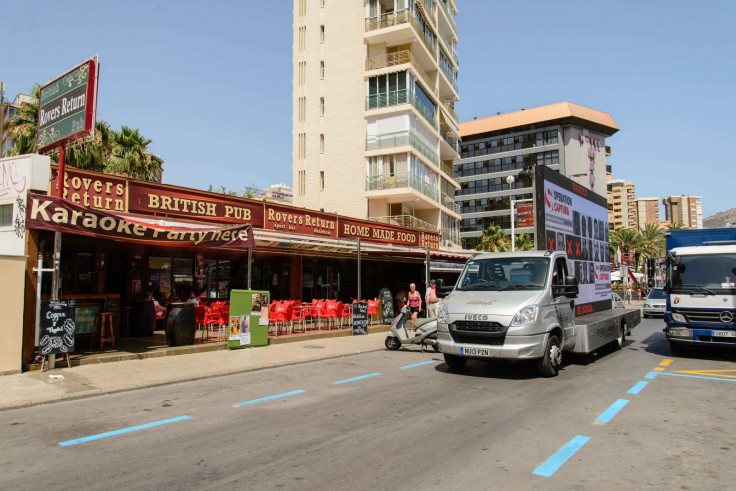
2, 119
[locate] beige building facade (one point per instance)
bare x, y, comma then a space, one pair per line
687, 210
374, 127
622, 212
647, 212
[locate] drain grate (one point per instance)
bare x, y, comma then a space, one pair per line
313, 346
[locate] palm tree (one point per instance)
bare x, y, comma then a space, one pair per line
131, 156
523, 242
629, 240
651, 245
494, 240
21, 129
676, 226
90, 154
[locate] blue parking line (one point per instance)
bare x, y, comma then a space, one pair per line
563, 455
269, 398
122, 431
651, 375
609, 413
358, 378
417, 364
637, 387
699, 376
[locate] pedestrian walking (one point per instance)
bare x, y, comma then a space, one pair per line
415, 304
638, 293
628, 295
433, 303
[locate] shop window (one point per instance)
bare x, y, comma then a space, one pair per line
159, 277
183, 278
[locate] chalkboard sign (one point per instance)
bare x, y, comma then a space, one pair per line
387, 305
57, 326
360, 318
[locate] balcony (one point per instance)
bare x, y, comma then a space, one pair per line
449, 74
451, 235
449, 48
400, 139
398, 58
405, 221
449, 109
448, 134
387, 20
448, 14
401, 181
398, 97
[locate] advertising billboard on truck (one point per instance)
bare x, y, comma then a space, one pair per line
573, 219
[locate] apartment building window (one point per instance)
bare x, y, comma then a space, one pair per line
322, 69
302, 38
302, 145
302, 73
321, 106
322, 34
322, 180
322, 143
302, 109
6, 215
302, 8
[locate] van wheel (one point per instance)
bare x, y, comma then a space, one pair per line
549, 364
392, 343
455, 361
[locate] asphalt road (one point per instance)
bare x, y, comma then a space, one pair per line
398, 420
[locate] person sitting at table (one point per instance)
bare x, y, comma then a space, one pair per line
193, 298
156, 305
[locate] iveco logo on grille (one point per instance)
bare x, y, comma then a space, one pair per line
726, 317
476, 317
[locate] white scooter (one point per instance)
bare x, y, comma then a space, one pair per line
425, 333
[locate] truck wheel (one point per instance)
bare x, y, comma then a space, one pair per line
455, 361
619, 342
549, 363
392, 343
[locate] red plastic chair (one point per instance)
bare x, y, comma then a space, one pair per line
372, 310
347, 313
214, 318
282, 315
320, 312
200, 312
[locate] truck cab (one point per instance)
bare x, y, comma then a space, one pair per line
701, 296
516, 305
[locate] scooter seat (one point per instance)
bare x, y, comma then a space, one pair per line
420, 322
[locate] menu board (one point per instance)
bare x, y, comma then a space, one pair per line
387, 305
360, 318
56, 333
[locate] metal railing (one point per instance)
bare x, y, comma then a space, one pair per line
398, 139
450, 137
450, 235
450, 203
428, 40
448, 72
399, 181
387, 20
405, 221
398, 97
398, 58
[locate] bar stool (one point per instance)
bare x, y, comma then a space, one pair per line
103, 329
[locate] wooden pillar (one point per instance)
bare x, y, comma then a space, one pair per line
29, 299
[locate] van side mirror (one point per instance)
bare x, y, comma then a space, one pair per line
569, 289
442, 290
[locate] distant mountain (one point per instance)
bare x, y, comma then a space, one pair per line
720, 219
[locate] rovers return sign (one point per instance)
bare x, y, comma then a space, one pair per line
58, 215
67, 106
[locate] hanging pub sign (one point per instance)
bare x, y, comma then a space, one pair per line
67, 106
58, 215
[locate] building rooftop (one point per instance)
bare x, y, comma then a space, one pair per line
562, 110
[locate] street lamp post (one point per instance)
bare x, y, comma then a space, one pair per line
513, 219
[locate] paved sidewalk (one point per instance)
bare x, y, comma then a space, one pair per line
36, 387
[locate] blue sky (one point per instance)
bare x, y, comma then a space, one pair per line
210, 82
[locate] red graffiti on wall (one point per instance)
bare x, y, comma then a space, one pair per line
10, 181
